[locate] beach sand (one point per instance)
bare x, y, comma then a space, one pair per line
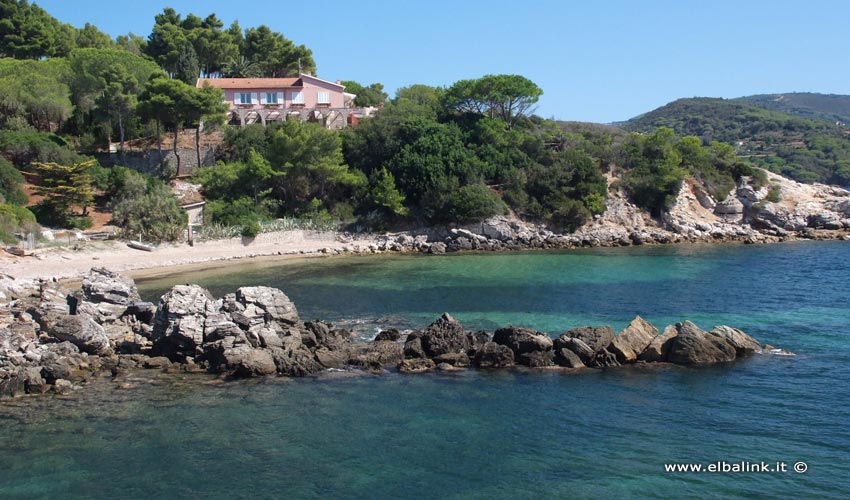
65, 262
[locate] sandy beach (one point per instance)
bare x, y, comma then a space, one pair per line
66, 262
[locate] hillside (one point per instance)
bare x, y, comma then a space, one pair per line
830, 108
802, 149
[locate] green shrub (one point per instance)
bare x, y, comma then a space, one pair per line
773, 194
79, 222
10, 183
251, 228
472, 203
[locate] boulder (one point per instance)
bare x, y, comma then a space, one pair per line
326, 336
391, 334
457, 359
416, 365
445, 335
604, 359
694, 346
12, 382
271, 301
63, 361
576, 346
477, 341
331, 359
537, 359
498, 228
84, 333
743, 344
493, 355
382, 353
657, 349
256, 362
413, 346
633, 340
437, 248
181, 316
102, 285
596, 337
295, 362
567, 358
522, 340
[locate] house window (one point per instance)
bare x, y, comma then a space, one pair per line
324, 98
243, 98
271, 98
298, 97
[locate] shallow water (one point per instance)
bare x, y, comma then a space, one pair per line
512, 434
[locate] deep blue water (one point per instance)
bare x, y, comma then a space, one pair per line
511, 434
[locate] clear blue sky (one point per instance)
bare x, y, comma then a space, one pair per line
595, 61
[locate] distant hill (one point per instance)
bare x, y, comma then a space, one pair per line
829, 108
803, 149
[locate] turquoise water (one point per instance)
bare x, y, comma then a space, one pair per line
513, 434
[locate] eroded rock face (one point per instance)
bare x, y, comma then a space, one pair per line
633, 340
694, 346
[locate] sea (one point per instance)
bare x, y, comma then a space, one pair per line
763, 427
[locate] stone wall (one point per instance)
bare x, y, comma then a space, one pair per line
148, 162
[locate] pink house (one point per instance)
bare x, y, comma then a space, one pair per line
263, 100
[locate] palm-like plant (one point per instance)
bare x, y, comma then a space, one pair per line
241, 67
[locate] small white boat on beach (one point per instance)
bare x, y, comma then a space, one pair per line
138, 245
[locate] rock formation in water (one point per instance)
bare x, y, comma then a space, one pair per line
53, 339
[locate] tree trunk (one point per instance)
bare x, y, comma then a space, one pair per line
198, 143
158, 141
176, 155
121, 137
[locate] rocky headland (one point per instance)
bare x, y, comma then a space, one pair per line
53, 339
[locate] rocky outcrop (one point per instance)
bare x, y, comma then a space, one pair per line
54, 340
446, 335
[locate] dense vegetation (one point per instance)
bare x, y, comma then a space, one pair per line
67, 93
430, 155
830, 108
806, 150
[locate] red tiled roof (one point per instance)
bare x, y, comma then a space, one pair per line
249, 83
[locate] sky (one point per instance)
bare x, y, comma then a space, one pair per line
598, 61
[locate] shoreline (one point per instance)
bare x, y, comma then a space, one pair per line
67, 264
